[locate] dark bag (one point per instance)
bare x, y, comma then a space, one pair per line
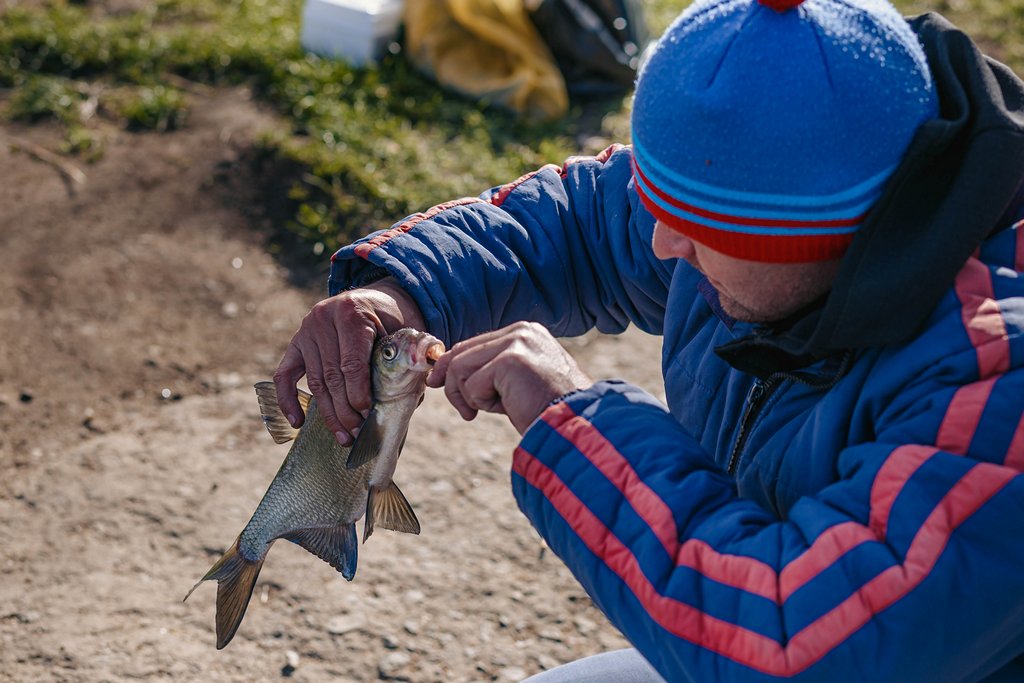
596, 43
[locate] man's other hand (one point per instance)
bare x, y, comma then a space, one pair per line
515, 371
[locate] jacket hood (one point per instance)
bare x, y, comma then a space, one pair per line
960, 178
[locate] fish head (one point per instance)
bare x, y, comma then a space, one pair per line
401, 361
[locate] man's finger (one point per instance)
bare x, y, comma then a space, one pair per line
454, 395
318, 387
291, 368
356, 349
336, 379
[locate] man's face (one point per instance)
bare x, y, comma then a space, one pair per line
750, 291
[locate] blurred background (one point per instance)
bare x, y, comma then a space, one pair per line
174, 175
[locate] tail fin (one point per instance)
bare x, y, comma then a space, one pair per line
235, 577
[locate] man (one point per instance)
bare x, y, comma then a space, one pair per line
818, 216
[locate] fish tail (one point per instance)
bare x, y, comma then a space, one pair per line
236, 578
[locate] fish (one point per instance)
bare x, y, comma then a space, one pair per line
322, 488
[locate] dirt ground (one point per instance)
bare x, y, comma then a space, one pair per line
138, 308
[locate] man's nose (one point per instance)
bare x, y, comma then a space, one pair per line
669, 243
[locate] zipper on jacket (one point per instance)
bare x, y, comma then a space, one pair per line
762, 389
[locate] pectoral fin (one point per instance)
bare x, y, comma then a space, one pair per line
387, 507
277, 424
337, 546
235, 577
368, 443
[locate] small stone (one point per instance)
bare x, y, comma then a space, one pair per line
441, 486
550, 634
584, 625
291, 663
546, 661
413, 596
26, 397
411, 627
229, 309
391, 663
24, 617
344, 623
512, 673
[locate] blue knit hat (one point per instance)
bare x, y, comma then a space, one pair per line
766, 129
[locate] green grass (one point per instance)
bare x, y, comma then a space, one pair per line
369, 145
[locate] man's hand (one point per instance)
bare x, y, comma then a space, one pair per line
333, 347
515, 371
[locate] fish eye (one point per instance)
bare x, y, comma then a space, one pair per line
388, 352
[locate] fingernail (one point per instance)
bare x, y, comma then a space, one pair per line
343, 438
291, 419
355, 432
365, 414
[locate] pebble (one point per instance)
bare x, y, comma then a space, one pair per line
512, 673
291, 658
392, 662
584, 625
344, 623
547, 661
550, 634
411, 627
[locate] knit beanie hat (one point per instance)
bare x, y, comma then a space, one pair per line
766, 129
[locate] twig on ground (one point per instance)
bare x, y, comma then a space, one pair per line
68, 171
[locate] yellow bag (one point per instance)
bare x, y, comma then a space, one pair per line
486, 49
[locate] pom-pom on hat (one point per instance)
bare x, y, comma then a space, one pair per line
766, 129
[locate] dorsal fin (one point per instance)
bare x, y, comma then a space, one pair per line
386, 506
273, 418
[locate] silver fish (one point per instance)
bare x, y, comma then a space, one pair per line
322, 487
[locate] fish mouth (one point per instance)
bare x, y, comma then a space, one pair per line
426, 352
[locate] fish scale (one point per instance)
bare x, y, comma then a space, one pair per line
333, 492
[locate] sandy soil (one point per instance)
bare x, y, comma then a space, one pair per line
138, 309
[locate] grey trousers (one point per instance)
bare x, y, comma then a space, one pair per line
619, 666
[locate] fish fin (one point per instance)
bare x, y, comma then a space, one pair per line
387, 507
337, 546
368, 442
235, 577
275, 421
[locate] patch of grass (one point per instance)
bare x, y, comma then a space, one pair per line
370, 144
155, 108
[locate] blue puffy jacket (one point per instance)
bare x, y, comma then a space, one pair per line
856, 516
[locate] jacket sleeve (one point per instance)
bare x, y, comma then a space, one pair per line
908, 568
566, 247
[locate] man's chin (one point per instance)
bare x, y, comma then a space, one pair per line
738, 311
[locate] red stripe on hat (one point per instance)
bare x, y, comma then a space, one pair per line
762, 248
745, 220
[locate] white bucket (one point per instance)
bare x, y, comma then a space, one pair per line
355, 30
